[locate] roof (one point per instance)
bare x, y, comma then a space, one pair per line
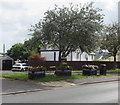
5, 58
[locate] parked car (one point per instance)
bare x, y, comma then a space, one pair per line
20, 67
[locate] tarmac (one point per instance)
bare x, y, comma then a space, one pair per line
10, 87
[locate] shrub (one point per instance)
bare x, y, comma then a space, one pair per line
35, 60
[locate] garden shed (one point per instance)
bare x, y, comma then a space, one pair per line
6, 62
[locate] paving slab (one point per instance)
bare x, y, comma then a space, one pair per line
13, 86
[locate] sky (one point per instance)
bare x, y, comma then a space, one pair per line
17, 16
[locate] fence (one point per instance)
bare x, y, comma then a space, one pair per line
77, 65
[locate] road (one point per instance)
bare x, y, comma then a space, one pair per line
91, 93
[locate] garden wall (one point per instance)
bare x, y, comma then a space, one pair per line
77, 65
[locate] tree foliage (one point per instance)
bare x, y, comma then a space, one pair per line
18, 52
110, 40
33, 44
70, 28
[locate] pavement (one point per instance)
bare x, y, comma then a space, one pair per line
17, 86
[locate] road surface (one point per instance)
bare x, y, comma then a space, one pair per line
91, 93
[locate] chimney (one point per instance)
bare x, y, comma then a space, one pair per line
4, 49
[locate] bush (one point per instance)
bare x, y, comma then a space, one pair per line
35, 60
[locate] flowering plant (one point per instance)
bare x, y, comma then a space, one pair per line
90, 66
64, 66
35, 60
68, 67
38, 68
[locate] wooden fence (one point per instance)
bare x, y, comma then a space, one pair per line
77, 65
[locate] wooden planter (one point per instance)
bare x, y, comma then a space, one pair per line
63, 72
89, 71
36, 74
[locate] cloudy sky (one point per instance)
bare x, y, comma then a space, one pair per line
16, 16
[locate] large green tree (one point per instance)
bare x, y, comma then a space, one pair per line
18, 52
110, 40
33, 44
70, 28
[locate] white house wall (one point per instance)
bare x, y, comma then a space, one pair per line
48, 55
84, 56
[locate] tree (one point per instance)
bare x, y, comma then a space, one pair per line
33, 44
70, 28
17, 51
110, 40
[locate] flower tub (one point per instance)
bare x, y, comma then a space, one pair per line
63, 72
90, 69
36, 72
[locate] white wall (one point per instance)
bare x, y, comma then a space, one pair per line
75, 57
50, 55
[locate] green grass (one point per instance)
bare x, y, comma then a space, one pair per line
114, 71
48, 78
16, 75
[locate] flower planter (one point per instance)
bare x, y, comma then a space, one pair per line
89, 71
36, 74
63, 72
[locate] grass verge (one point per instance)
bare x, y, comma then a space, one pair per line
114, 71
48, 78
16, 75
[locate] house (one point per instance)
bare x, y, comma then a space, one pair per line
53, 55
119, 58
101, 55
6, 62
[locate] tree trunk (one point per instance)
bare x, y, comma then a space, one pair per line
115, 64
80, 56
60, 55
